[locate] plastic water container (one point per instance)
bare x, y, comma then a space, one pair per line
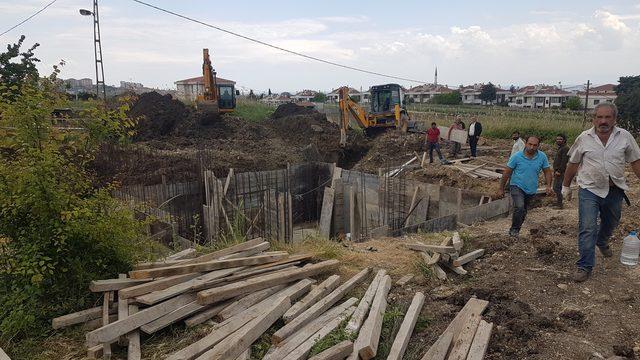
630, 249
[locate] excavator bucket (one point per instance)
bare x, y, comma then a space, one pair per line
210, 107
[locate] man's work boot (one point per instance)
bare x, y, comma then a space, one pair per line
581, 275
606, 252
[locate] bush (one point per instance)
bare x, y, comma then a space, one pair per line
452, 98
57, 233
573, 103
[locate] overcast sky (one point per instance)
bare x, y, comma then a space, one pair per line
470, 42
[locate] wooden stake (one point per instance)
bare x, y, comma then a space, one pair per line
404, 334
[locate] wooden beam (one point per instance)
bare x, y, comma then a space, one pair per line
116, 329
430, 259
301, 352
184, 254
155, 285
326, 212
433, 248
456, 269
302, 335
227, 182
406, 329
133, 346
338, 351
207, 266
480, 341
367, 342
456, 241
247, 301
206, 314
172, 317
3, 355
362, 310
440, 349
79, 317
462, 343
319, 307
404, 280
468, 257
184, 287
437, 270
313, 296
245, 274
241, 340
262, 282
114, 284
106, 346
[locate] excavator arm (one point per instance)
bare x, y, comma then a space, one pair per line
348, 109
208, 101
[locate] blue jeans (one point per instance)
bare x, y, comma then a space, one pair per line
434, 146
591, 233
521, 201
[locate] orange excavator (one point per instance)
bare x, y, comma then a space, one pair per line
387, 110
215, 98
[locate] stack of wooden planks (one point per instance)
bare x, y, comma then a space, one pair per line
483, 170
466, 337
446, 255
245, 287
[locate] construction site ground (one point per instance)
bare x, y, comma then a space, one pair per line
537, 310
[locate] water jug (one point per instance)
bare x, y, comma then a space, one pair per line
630, 249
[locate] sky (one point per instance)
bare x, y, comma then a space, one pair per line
507, 43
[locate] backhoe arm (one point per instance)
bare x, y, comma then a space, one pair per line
349, 108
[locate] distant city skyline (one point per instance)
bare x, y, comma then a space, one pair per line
514, 43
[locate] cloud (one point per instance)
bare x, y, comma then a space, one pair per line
611, 21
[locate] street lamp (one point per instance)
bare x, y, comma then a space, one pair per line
97, 49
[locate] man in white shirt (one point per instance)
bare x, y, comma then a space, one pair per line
599, 156
475, 130
518, 143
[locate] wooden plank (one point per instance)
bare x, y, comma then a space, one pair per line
430, 259
155, 285
244, 274
207, 266
254, 250
338, 351
133, 346
112, 331
406, 328
319, 307
455, 327
106, 346
326, 212
362, 310
337, 174
79, 317
314, 295
262, 282
468, 257
404, 280
114, 284
413, 204
437, 270
456, 269
241, 340
247, 301
184, 254
367, 342
226, 251
123, 311
227, 182
462, 343
3, 355
440, 349
301, 352
480, 341
172, 317
433, 248
246, 355
302, 335
97, 323
456, 241
207, 314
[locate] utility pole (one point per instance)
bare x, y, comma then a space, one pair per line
97, 48
586, 104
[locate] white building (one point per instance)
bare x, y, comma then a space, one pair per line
189, 89
598, 95
539, 96
304, 95
424, 93
471, 95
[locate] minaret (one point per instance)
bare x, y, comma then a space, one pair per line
435, 79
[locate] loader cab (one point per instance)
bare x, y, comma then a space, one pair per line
227, 98
385, 97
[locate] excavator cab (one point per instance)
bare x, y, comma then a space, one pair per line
216, 98
384, 98
227, 98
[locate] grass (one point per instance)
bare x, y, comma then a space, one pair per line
322, 248
335, 337
500, 122
252, 110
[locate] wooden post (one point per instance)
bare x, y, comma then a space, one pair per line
133, 350
326, 213
106, 351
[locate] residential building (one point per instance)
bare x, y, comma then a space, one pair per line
304, 95
539, 96
333, 96
277, 99
130, 85
189, 89
471, 95
598, 94
424, 93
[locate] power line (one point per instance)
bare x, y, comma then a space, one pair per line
29, 18
277, 47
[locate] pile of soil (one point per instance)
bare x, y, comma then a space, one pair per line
292, 109
157, 115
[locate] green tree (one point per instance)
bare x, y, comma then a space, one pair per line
488, 93
57, 232
320, 97
452, 98
573, 103
16, 67
628, 102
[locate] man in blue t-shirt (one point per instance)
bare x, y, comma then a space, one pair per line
523, 169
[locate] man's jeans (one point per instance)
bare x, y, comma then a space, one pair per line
434, 146
473, 145
557, 187
591, 233
521, 201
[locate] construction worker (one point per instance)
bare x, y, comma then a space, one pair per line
475, 129
559, 166
432, 141
522, 173
599, 156
518, 144
454, 145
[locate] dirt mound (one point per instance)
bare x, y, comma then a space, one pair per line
292, 109
157, 115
